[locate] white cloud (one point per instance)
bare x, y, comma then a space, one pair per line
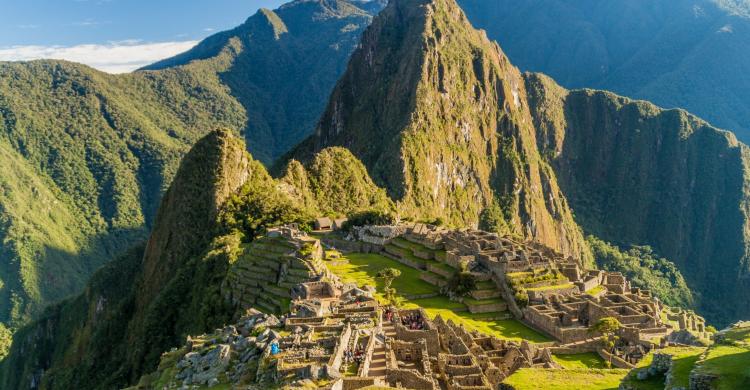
726, 29
115, 57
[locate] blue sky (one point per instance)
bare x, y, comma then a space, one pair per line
114, 35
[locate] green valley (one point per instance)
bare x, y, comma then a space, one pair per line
260, 213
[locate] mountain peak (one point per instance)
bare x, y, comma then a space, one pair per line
214, 168
439, 117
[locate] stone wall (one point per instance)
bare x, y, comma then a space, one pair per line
379, 235
431, 335
701, 381
616, 360
365, 366
353, 383
336, 359
409, 379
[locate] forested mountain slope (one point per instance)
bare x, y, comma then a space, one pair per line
438, 115
638, 174
152, 297
91, 153
691, 54
452, 130
429, 112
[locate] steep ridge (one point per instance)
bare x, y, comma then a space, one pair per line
138, 315
283, 65
97, 151
635, 173
438, 115
150, 299
94, 152
676, 53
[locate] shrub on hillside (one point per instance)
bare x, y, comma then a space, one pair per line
369, 217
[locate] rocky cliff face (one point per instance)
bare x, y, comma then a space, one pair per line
93, 152
635, 173
438, 115
136, 308
149, 300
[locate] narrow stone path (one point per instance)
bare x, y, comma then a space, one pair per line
377, 364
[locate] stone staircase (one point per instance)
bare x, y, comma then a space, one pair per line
377, 363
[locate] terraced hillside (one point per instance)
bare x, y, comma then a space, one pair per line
264, 274
489, 315
484, 298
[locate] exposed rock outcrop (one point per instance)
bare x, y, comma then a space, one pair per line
439, 116
138, 307
636, 173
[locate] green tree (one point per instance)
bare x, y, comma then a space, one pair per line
388, 275
492, 219
368, 217
461, 284
6, 337
645, 269
607, 326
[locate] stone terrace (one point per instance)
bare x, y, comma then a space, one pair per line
546, 290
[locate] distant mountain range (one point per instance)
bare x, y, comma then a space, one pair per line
429, 119
691, 54
92, 153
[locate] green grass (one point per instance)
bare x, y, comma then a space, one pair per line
504, 329
684, 361
363, 267
442, 266
580, 360
554, 287
731, 364
486, 285
573, 379
439, 302
475, 302
519, 275
402, 242
596, 290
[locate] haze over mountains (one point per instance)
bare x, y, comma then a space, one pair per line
428, 109
691, 54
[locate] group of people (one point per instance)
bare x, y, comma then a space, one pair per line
413, 321
389, 314
355, 356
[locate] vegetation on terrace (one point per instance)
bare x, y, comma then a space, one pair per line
684, 359
363, 269
568, 379
644, 269
728, 359
580, 361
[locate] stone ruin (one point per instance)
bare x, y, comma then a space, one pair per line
440, 354
340, 332
565, 306
358, 343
